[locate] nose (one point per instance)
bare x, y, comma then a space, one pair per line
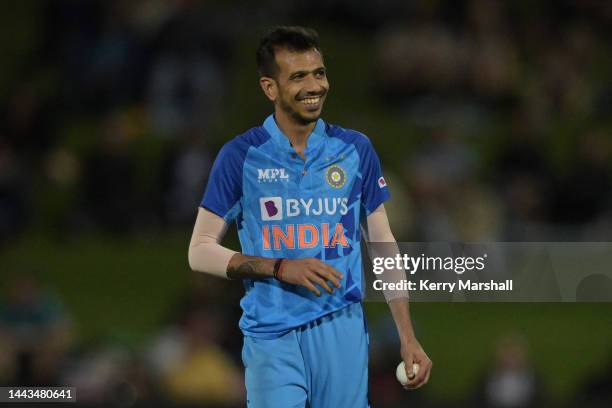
314, 85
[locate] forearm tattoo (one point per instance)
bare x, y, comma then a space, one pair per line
250, 268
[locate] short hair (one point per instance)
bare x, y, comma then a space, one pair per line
292, 38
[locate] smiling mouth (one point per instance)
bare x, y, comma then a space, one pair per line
311, 101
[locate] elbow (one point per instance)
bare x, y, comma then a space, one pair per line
191, 258
209, 259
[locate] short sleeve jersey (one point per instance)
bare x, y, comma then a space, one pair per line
287, 207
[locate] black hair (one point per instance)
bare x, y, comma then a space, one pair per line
293, 38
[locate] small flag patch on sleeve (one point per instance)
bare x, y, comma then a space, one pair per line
381, 182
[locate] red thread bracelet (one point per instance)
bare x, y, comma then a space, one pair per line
278, 272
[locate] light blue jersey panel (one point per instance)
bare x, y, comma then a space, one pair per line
286, 207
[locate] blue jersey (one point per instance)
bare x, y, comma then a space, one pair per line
285, 207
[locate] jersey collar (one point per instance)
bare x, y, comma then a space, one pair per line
314, 139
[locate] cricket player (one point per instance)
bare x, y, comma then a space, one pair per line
298, 190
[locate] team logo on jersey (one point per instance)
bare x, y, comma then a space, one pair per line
272, 175
271, 208
335, 176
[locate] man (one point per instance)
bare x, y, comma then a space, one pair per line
298, 189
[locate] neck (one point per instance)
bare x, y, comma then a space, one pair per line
296, 132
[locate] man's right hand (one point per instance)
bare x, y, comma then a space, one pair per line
310, 272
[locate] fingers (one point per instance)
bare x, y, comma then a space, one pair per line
322, 273
419, 378
312, 272
412, 378
422, 375
328, 273
311, 287
333, 271
321, 282
329, 276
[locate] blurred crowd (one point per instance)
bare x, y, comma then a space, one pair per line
110, 113
515, 102
190, 361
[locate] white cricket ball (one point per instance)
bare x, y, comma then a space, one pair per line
400, 372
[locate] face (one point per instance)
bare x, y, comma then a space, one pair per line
300, 87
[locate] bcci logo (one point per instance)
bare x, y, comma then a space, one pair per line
335, 176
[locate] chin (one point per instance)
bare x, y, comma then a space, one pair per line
313, 115
307, 117
312, 118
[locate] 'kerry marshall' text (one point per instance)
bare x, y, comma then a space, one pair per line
426, 285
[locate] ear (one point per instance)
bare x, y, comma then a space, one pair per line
269, 87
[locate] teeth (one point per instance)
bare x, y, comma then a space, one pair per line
311, 101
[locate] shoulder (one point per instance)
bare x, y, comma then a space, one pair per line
349, 136
239, 145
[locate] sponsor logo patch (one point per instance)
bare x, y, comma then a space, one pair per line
272, 175
271, 208
277, 208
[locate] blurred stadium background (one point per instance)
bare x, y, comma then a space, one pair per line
492, 120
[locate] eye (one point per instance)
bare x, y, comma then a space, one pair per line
320, 73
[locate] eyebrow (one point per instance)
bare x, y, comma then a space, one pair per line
303, 72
